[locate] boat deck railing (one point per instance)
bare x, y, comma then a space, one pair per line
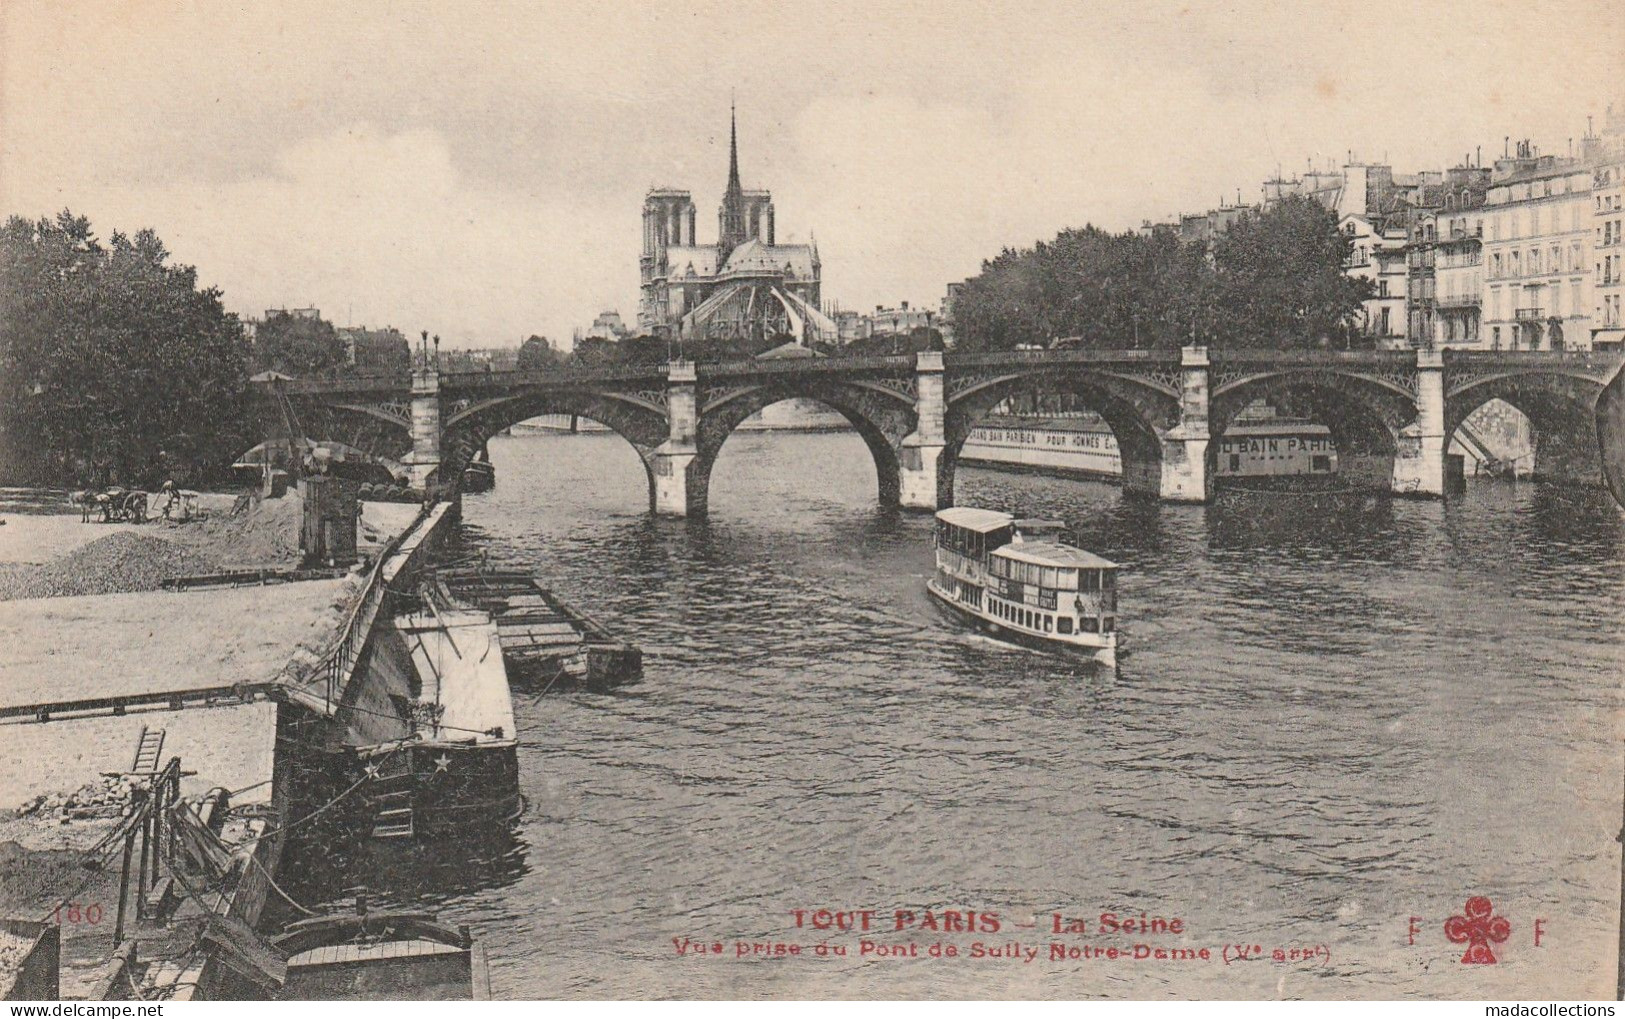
334, 668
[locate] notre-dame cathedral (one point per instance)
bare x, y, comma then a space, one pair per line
744, 287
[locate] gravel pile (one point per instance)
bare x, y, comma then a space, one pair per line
125, 561
108, 798
13, 950
266, 535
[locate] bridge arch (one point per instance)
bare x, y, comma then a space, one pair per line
384, 431
881, 416
468, 430
1370, 418
1561, 410
1138, 411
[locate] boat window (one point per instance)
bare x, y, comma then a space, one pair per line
1091, 580
1063, 625
1107, 624
1088, 625
1049, 622
1109, 579
1049, 578
1068, 580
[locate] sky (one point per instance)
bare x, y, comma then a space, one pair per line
478, 169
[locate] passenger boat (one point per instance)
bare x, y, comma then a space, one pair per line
1017, 580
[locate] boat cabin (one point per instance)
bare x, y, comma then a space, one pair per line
965, 537
1050, 588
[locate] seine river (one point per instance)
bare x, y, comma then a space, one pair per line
1329, 723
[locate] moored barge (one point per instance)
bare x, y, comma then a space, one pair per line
457, 770
544, 640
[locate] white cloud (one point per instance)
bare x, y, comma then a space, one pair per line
382, 228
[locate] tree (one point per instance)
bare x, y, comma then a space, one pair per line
1280, 279
537, 354
297, 345
114, 365
1275, 279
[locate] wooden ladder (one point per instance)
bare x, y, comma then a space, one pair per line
149, 751
393, 819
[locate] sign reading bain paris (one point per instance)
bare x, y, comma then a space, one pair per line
1152, 542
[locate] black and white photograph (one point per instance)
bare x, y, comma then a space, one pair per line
511, 500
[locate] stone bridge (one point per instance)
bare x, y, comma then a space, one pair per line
1391, 414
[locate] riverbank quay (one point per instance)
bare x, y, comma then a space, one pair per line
107, 698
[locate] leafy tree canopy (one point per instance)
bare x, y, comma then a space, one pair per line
1275, 279
297, 345
537, 354
114, 366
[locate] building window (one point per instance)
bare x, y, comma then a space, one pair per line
1495, 337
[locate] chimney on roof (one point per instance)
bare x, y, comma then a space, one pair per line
905, 305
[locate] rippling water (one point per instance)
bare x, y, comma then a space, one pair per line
1329, 722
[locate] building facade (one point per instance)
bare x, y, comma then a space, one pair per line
1608, 234
745, 287
376, 351
1379, 256
1444, 259
1537, 251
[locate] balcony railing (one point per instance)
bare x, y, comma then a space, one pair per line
1459, 301
1529, 314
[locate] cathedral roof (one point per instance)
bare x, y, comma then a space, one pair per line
680, 257
754, 256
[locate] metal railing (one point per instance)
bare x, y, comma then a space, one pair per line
1065, 355
804, 366
335, 666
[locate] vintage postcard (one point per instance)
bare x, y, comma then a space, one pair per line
561, 500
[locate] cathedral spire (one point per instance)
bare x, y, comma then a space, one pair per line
732, 227
733, 150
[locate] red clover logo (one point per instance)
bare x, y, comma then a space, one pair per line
1477, 928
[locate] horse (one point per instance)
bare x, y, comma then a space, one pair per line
85, 499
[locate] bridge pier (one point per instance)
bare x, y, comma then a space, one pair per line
425, 455
670, 492
1419, 459
1184, 476
921, 453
